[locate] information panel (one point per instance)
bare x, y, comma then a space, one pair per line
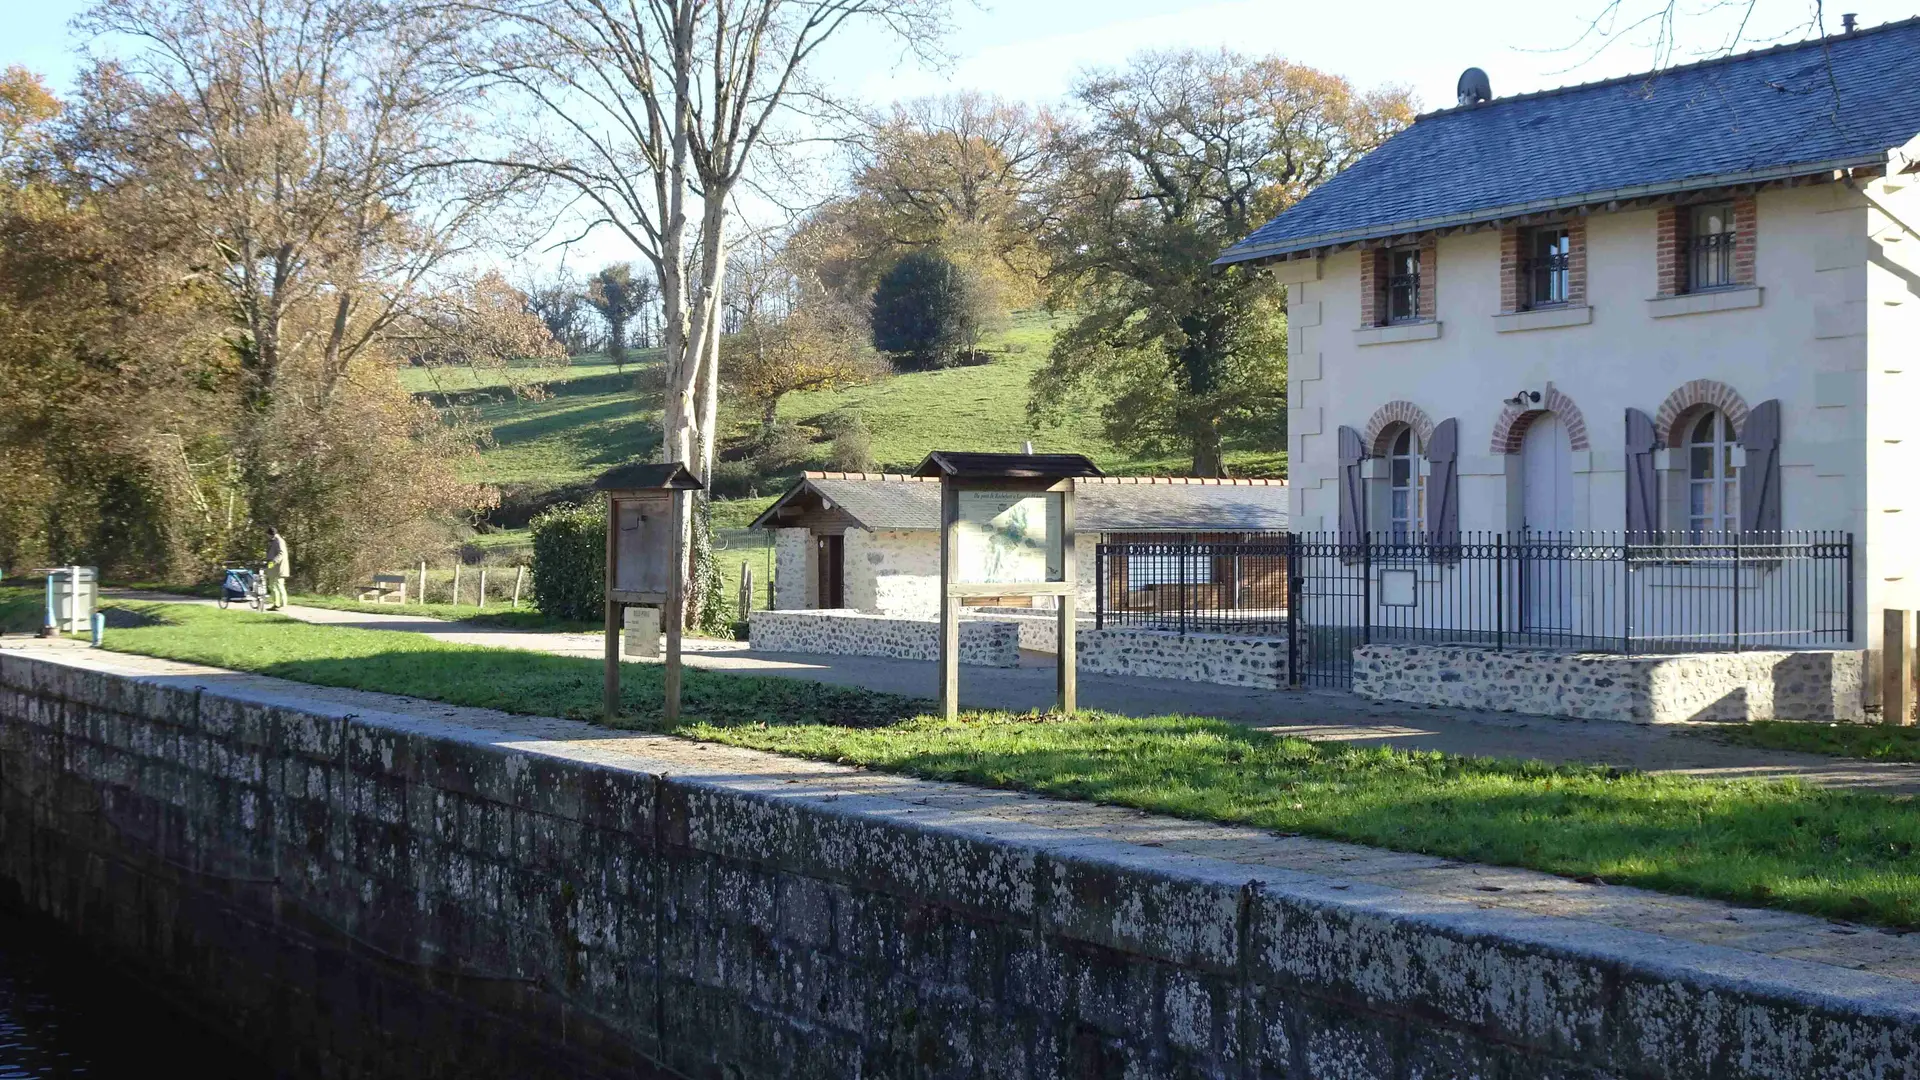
1011, 537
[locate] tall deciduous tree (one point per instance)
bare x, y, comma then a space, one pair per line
786, 334
651, 115
305, 148
1184, 153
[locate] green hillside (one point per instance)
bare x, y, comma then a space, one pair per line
591, 420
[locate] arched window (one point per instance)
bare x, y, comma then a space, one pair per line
1406, 488
1713, 481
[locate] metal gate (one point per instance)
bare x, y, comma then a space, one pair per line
1329, 597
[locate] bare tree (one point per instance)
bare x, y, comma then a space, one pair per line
649, 114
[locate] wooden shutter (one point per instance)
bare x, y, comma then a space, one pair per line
1643, 480
1443, 487
1760, 476
1353, 492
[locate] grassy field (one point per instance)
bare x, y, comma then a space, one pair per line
1779, 844
572, 436
519, 372
1874, 742
23, 607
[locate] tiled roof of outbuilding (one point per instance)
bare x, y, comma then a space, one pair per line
1793, 110
1101, 504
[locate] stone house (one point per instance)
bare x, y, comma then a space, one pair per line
1685, 302
870, 542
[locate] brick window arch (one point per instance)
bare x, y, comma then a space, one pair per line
1396, 412
1690, 399
1511, 428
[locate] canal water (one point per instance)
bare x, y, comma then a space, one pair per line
65, 1012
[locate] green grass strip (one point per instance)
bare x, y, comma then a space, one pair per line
1782, 844
1873, 742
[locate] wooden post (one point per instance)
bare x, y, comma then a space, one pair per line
610, 698
1067, 659
480, 601
746, 589
1896, 668
456, 583
519, 575
421, 596
676, 612
949, 604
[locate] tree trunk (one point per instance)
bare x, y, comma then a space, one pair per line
1209, 451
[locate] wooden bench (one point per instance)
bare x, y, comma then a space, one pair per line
383, 586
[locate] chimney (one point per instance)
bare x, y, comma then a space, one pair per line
1847, 21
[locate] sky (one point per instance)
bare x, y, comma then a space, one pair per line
1034, 49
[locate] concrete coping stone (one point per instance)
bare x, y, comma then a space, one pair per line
1796, 959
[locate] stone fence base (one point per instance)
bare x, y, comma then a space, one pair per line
841, 632
1784, 685
1209, 658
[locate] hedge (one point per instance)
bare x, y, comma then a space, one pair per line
570, 561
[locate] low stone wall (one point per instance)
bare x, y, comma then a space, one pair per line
841, 632
1039, 629
1725, 687
364, 886
1210, 658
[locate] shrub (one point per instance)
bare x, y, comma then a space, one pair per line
925, 312
852, 448
734, 480
781, 448
570, 561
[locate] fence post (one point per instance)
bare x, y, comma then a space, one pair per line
422, 594
1500, 592
1736, 592
1183, 583
746, 589
1896, 668
519, 575
1294, 580
480, 598
1366, 588
456, 583
1626, 593
1099, 586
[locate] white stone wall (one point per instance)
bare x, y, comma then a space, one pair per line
850, 633
794, 582
1039, 632
1833, 269
1209, 658
894, 572
1725, 687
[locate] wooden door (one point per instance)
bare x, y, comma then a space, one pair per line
832, 551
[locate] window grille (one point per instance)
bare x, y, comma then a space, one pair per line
1403, 285
1548, 268
1710, 246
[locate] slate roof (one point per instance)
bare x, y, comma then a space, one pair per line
1112, 504
974, 465
1792, 110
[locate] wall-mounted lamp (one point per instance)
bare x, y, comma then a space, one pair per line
1525, 399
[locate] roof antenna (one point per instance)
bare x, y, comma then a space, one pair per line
1846, 22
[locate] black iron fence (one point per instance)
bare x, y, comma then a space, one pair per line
1595, 592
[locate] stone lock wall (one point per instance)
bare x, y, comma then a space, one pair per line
1724, 687
989, 643
1210, 658
369, 887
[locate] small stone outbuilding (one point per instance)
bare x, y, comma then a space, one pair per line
870, 542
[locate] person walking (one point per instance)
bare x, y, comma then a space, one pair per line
279, 567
